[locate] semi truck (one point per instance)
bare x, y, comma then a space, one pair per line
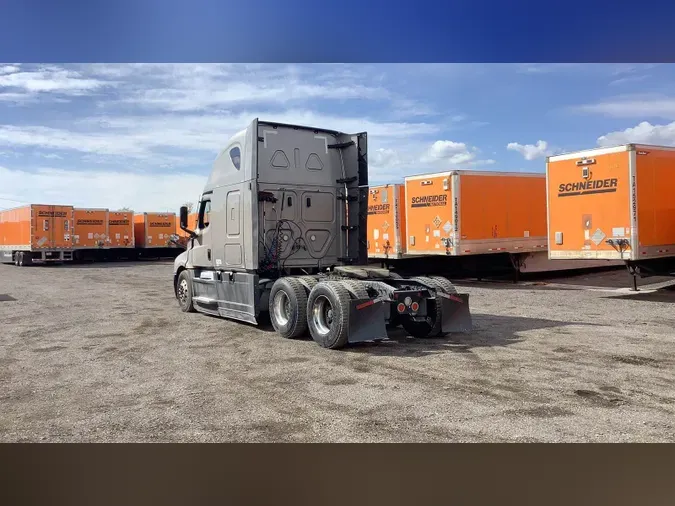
281, 235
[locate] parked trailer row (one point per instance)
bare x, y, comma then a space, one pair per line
467, 220
39, 233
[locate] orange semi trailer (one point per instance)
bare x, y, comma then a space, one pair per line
462, 213
153, 234
36, 233
121, 229
386, 221
614, 203
90, 230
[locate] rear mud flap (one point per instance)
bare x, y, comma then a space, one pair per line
366, 320
455, 313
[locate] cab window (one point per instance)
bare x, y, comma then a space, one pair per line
235, 156
204, 211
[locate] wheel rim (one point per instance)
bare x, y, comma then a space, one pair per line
282, 308
322, 314
183, 291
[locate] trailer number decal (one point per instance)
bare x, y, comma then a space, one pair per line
588, 187
430, 201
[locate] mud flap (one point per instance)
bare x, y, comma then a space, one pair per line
455, 313
366, 320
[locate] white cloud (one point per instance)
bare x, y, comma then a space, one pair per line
643, 133
144, 137
632, 106
8, 69
114, 190
48, 79
531, 151
453, 154
631, 79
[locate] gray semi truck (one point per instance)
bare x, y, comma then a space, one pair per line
281, 235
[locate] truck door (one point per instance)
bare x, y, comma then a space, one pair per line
202, 252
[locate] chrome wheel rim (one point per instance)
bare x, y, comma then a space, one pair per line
322, 314
183, 291
282, 308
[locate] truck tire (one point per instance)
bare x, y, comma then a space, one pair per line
432, 326
445, 284
328, 314
288, 307
356, 290
311, 282
184, 292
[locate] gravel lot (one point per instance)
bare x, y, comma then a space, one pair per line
102, 353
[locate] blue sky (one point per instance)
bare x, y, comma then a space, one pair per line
144, 135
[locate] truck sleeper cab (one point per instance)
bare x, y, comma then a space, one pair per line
281, 234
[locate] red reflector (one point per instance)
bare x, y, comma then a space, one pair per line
365, 304
414, 306
401, 307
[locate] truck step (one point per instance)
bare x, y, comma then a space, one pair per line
204, 300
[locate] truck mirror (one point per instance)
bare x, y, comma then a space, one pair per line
183, 217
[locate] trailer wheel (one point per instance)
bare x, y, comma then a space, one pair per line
288, 307
445, 284
328, 314
184, 292
431, 327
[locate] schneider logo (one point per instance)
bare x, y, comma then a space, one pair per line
89, 222
587, 187
52, 214
118, 222
430, 201
160, 224
378, 209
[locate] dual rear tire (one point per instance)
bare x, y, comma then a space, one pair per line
321, 308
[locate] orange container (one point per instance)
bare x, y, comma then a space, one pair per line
612, 203
469, 212
154, 230
36, 227
121, 229
91, 228
386, 221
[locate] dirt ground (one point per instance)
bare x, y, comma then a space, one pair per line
102, 353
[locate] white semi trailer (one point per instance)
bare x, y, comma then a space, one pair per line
281, 234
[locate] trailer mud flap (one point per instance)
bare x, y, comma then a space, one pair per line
455, 313
366, 320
